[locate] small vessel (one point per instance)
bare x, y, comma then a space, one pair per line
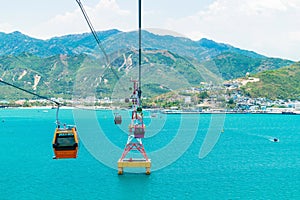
288, 113
153, 115
275, 140
65, 143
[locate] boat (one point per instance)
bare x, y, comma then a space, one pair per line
274, 139
288, 113
65, 143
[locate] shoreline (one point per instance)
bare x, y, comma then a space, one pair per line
38, 108
273, 113
167, 112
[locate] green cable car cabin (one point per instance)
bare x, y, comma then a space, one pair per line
65, 143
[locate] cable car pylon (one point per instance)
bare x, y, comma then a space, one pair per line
137, 126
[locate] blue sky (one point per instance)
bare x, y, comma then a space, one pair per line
269, 27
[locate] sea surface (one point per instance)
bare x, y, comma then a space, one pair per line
245, 163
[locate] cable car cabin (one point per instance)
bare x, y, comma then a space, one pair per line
139, 131
118, 119
65, 143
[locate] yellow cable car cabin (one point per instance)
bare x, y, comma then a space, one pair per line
65, 143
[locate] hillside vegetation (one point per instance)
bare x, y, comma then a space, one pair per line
73, 64
277, 84
232, 65
59, 76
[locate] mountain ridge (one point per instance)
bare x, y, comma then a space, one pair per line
67, 43
167, 56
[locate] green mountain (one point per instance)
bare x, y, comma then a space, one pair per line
63, 76
16, 43
276, 84
73, 65
45, 76
231, 65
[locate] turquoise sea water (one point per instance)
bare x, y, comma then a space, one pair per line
244, 164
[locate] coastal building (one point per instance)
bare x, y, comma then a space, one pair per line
297, 106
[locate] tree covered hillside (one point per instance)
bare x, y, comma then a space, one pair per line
277, 84
232, 65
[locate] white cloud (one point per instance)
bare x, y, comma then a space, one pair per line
105, 15
264, 26
294, 36
269, 27
6, 27
265, 6
111, 5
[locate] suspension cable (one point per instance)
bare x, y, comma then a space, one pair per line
32, 93
140, 52
96, 36
140, 43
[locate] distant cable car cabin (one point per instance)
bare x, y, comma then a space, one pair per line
118, 119
65, 143
139, 131
139, 127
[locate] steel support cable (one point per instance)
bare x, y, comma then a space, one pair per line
34, 94
140, 52
96, 36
